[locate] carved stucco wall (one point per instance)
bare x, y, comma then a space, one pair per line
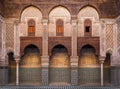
109, 36
59, 13
9, 34
2, 41
110, 40
88, 13
27, 14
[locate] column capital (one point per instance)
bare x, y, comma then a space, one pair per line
17, 58
102, 59
45, 21
74, 22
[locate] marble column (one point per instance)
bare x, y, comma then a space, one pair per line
74, 57
17, 59
102, 58
45, 57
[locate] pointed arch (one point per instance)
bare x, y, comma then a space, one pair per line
92, 6
59, 6
88, 11
59, 61
30, 11
59, 12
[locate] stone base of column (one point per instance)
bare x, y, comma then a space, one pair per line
74, 70
115, 75
45, 70
3, 75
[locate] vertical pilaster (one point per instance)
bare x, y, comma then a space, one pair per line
16, 38
74, 57
45, 57
102, 38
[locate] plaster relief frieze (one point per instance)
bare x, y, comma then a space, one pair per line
108, 21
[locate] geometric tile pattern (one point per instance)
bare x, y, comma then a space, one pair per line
12, 74
9, 35
3, 75
106, 75
74, 76
89, 75
45, 76
109, 36
59, 75
30, 75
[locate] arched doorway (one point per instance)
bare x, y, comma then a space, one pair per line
12, 68
30, 66
59, 66
89, 68
107, 68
